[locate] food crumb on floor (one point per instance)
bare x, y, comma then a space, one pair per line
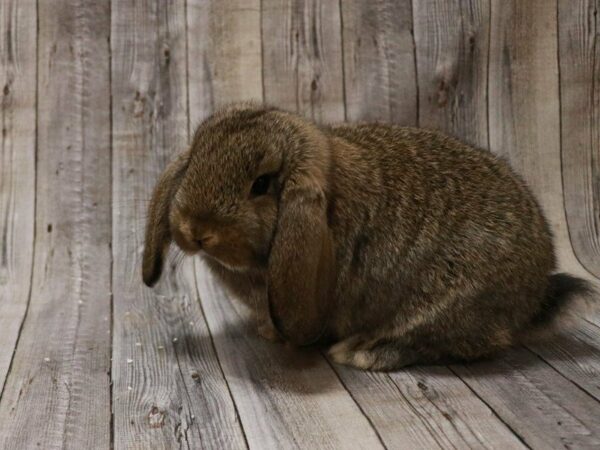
129, 361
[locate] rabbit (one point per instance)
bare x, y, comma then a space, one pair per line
396, 245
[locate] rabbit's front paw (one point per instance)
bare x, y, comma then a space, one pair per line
267, 331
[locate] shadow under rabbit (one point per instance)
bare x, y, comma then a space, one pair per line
249, 361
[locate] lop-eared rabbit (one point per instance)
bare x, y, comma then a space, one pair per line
399, 245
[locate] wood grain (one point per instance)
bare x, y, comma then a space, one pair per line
188, 369
436, 409
521, 85
524, 106
302, 58
379, 61
168, 389
452, 39
579, 58
57, 392
17, 169
545, 409
286, 397
575, 353
224, 54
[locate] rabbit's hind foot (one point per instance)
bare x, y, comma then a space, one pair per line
379, 354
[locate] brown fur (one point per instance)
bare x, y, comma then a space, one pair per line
404, 245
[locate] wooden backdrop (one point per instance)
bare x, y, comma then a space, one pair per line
98, 95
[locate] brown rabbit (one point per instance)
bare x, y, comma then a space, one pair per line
402, 245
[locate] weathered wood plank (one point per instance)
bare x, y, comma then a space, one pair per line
224, 54
179, 395
575, 353
543, 407
426, 407
436, 409
379, 61
579, 56
57, 392
17, 169
523, 125
451, 47
168, 388
524, 106
286, 397
302, 57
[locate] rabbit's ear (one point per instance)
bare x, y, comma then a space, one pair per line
158, 234
301, 266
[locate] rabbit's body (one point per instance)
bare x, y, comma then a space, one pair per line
403, 245
446, 254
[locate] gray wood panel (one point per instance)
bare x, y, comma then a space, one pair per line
224, 54
451, 51
168, 388
188, 369
57, 392
524, 106
285, 398
379, 61
543, 407
18, 67
522, 84
434, 407
575, 353
579, 54
302, 58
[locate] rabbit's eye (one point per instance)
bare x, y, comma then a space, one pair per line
261, 185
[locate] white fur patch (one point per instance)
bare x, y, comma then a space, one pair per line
340, 347
341, 354
363, 359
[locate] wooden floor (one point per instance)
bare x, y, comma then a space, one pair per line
98, 95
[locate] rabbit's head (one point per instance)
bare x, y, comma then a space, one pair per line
251, 194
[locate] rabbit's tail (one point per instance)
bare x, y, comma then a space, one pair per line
563, 292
